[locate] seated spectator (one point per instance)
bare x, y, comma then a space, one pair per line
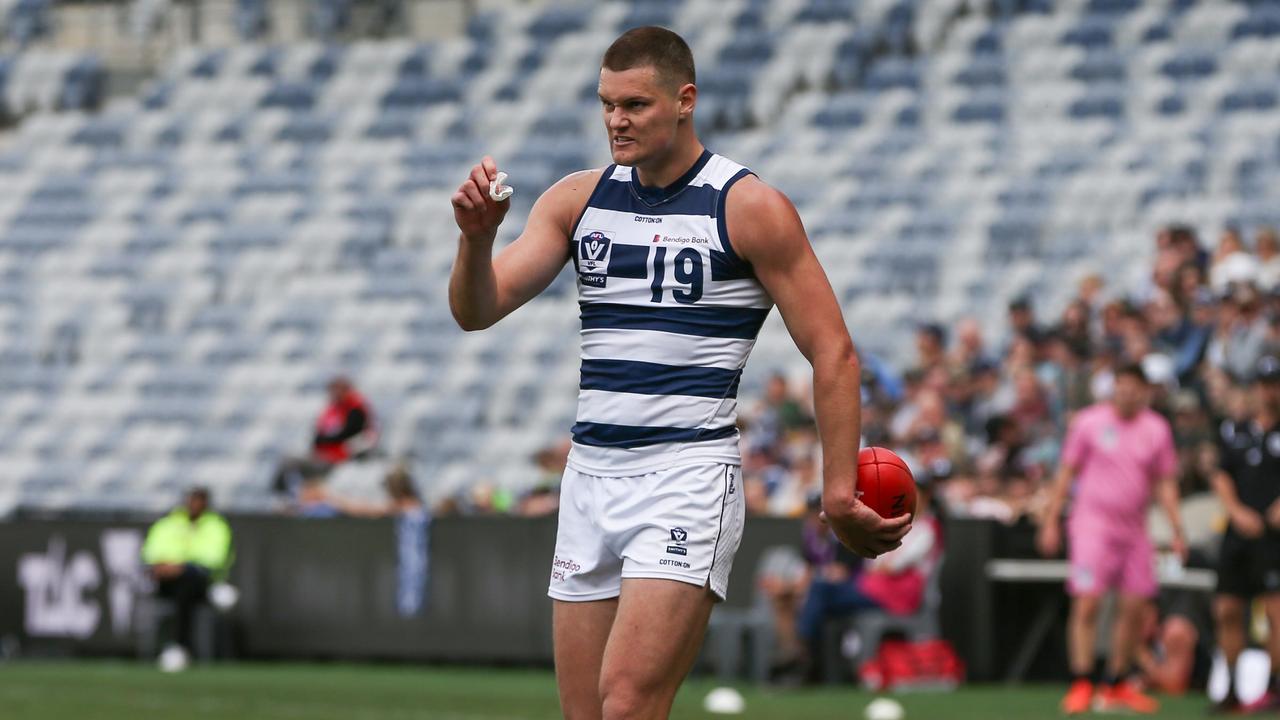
344, 430
314, 501
894, 582
786, 587
185, 551
402, 498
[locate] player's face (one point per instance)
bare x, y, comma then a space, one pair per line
641, 113
1129, 396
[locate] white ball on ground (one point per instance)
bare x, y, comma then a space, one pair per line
174, 659
884, 709
724, 701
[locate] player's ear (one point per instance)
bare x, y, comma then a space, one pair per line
687, 98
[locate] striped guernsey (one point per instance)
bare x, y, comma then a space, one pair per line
669, 315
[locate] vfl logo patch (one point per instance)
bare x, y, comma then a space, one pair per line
594, 250
679, 538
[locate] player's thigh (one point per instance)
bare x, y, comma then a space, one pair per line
1265, 557
682, 524
1093, 565
1271, 606
581, 631
1235, 567
656, 637
1085, 608
1138, 581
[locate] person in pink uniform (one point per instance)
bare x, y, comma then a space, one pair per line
1121, 454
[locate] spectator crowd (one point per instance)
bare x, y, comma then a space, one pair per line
981, 415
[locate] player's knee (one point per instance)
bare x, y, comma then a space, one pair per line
1228, 612
1085, 609
624, 697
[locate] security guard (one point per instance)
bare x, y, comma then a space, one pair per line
184, 552
1248, 483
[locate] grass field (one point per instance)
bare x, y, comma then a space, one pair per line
123, 691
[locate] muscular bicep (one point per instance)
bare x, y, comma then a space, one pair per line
769, 234
527, 266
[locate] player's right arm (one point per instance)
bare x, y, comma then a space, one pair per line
1049, 537
484, 289
1247, 521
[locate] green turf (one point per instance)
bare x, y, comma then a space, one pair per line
123, 691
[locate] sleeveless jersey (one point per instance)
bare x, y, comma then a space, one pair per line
669, 315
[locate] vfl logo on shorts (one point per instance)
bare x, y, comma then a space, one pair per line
594, 250
679, 542
1082, 578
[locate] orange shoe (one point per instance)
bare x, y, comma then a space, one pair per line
1078, 698
1125, 697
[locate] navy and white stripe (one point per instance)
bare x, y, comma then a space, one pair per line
670, 313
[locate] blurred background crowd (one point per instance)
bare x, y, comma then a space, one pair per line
981, 412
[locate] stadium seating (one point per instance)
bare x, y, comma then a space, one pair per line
184, 269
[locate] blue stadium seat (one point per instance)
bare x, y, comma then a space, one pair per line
1191, 66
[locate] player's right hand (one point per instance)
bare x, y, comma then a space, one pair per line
1049, 538
1248, 522
477, 214
862, 530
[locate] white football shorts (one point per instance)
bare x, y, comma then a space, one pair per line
683, 523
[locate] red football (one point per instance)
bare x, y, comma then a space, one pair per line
885, 483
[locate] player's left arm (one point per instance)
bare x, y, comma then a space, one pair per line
766, 232
1167, 486
1167, 496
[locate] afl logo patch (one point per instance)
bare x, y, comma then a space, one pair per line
594, 250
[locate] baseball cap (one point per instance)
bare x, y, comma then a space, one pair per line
1267, 369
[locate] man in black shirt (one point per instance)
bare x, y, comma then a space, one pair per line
1249, 562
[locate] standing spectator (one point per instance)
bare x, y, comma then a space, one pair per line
1022, 320
1249, 558
1121, 451
413, 524
344, 430
1232, 263
1268, 252
1241, 333
931, 344
970, 347
185, 551
1089, 292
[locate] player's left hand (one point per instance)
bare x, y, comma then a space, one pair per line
1179, 546
1273, 515
862, 530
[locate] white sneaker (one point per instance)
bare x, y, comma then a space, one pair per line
174, 659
